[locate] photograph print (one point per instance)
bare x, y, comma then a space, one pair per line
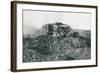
53, 36
56, 36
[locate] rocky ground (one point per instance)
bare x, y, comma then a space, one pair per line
50, 48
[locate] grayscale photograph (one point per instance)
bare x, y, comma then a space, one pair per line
56, 36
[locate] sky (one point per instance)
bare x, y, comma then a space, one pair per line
37, 19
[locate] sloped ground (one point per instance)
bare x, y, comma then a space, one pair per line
48, 48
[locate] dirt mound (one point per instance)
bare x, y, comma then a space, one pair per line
59, 43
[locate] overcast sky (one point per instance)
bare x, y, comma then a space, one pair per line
39, 18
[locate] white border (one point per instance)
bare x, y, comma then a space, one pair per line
21, 65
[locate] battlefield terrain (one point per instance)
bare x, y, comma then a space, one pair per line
56, 42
